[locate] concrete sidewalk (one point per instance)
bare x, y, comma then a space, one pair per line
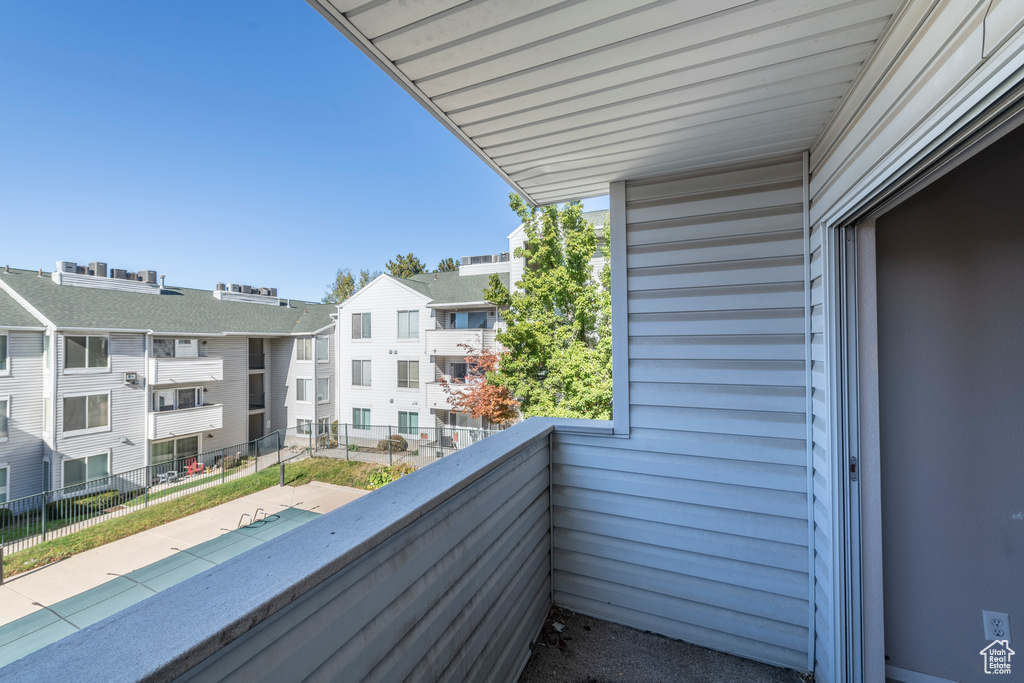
26, 593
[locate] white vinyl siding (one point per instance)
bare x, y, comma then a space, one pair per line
23, 447
304, 389
696, 525
86, 352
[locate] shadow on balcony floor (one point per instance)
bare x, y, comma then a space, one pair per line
590, 650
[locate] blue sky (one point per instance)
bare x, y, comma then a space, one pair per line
226, 141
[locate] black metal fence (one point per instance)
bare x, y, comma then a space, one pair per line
387, 444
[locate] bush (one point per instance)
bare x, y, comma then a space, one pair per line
385, 475
88, 504
232, 461
397, 443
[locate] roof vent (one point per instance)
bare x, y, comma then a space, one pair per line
221, 287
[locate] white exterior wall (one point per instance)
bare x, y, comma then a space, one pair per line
128, 406
383, 299
22, 451
232, 393
696, 525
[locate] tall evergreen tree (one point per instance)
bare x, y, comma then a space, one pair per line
406, 266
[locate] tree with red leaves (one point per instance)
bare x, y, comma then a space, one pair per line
476, 395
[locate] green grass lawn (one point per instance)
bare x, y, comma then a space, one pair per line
342, 472
194, 482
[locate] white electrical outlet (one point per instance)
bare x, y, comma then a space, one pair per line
997, 625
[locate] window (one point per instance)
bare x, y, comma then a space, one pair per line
473, 320
323, 389
3, 484
409, 374
408, 324
360, 325
303, 426
5, 417
323, 426
85, 352
81, 470
408, 423
177, 399
4, 361
86, 412
175, 348
304, 349
360, 373
47, 483
462, 371
323, 349
361, 418
304, 389
174, 453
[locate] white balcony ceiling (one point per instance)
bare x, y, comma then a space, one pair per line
562, 98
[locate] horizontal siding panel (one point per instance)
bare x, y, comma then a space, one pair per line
726, 397
701, 545
754, 221
735, 522
774, 321
659, 552
738, 298
769, 425
758, 271
701, 591
709, 464
680, 490
776, 193
748, 373
733, 347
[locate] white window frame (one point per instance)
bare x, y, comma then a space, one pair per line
308, 392
323, 341
5, 490
5, 356
198, 392
408, 382
407, 413
363, 326
6, 418
363, 364
412, 318
86, 370
302, 354
327, 392
361, 425
87, 430
63, 480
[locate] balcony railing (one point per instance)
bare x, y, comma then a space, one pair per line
171, 423
442, 342
186, 370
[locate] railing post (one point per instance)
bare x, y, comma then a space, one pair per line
224, 467
44, 516
1, 564
346, 440
278, 433
282, 474
311, 440
149, 480
390, 458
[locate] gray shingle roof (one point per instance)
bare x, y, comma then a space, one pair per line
13, 314
450, 287
178, 310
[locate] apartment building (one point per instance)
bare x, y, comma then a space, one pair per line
398, 337
102, 375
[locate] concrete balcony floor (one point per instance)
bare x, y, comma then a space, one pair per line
590, 650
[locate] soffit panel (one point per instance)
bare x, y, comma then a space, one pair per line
562, 98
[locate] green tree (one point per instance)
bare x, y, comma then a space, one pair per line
447, 265
406, 266
345, 285
558, 335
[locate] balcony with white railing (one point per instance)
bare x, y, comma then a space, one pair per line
452, 342
186, 370
170, 423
